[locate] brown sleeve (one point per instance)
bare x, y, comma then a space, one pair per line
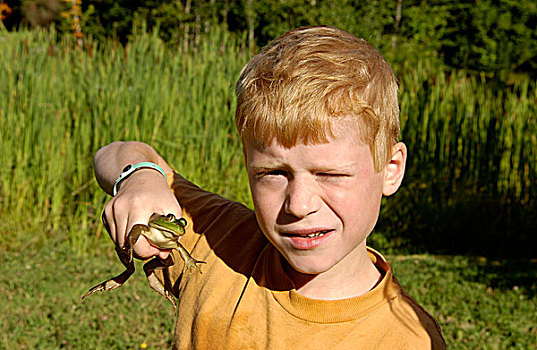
215, 226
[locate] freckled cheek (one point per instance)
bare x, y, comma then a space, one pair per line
355, 204
267, 206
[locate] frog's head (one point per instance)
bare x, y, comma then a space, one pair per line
168, 223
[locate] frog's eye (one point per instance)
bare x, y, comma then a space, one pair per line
170, 217
182, 222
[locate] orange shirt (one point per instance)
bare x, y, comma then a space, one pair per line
244, 299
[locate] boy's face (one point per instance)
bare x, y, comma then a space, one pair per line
317, 203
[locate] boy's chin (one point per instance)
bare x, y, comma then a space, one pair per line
305, 265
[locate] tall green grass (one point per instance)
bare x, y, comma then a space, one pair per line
470, 140
58, 105
471, 132
471, 174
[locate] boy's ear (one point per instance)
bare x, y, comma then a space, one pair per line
395, 169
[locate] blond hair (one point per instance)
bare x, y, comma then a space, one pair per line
296, 86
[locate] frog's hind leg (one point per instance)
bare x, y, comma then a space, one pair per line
154, 282
114, 282
125, 256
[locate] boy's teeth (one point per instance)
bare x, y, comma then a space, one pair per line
316, 234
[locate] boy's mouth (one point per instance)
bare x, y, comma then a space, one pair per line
307, 239
307, 234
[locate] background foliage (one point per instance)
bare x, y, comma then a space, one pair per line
496, 36
472, 139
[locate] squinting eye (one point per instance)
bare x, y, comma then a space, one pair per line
332, 176
271, 173
276, 173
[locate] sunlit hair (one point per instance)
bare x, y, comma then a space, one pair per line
297, 85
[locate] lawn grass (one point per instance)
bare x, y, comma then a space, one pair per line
41, 294
479, 304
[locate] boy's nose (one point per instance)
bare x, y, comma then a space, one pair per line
301, 199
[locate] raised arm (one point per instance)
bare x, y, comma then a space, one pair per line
143, 193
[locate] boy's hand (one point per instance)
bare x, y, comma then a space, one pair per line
143, 193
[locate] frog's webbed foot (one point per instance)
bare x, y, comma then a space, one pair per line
154, 282
112, 283
190, 262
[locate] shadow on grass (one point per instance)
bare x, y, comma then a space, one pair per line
514, 274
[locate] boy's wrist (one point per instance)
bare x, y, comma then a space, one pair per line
141, 179
131, 171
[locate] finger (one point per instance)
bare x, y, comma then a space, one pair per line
105, 222
164, 254
108, 221
120, 218
143, 249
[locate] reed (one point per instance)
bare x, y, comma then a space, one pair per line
58, 105
470, 181
470, 133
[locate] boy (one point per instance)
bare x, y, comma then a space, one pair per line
317, 113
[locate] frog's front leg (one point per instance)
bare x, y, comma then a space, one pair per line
190, 262
154, 282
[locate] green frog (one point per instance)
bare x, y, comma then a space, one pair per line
162, 231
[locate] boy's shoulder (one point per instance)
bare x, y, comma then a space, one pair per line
399, 314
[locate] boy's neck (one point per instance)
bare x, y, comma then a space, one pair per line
336, 284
